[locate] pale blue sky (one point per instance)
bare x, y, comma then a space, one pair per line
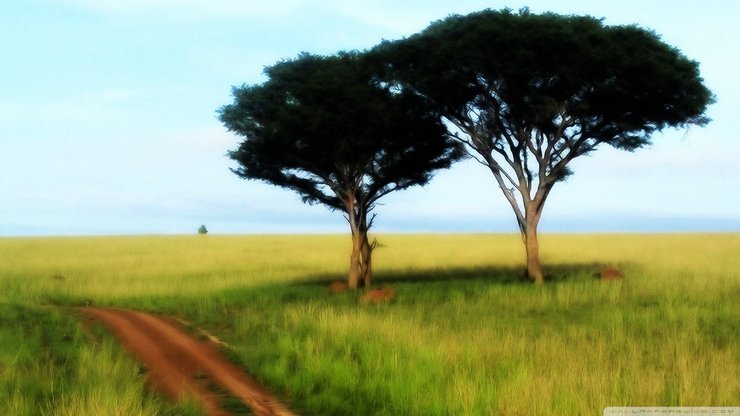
108, 123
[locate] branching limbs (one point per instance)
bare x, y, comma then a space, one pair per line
525, 158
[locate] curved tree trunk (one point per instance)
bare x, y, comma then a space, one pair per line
528, 216
532, 247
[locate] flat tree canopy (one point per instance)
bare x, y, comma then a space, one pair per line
529, 93
326, 128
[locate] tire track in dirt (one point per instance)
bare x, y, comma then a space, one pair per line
181, 365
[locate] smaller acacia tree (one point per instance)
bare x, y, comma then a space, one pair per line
326, 128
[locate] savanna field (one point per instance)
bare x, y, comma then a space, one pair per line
464, 335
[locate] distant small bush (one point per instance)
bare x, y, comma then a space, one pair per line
202, 230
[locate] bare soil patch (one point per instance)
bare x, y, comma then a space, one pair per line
180, 365
377, 295
338, 286
611, 273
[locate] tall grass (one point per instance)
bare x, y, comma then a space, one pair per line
464, 334
49, 367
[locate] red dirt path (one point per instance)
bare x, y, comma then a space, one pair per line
181, 365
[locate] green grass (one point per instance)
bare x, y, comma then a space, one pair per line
48, 366
464, 334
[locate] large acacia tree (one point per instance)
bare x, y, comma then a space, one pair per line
529, 93
326, 128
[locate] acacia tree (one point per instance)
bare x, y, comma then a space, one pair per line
529, 93
326, 128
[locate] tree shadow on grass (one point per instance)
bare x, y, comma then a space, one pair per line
316, 286
501, 275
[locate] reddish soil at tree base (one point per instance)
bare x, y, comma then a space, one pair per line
180, 365
611, 273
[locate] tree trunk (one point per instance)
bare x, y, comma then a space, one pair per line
360, 261
355, 270
367, 262
532, 246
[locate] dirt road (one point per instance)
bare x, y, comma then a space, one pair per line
181, 365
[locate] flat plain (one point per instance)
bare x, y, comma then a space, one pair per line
463, 334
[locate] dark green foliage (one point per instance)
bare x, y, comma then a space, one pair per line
529, 93
498, 73
326, 128
202, 229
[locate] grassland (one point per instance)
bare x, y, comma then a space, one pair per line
463, 336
